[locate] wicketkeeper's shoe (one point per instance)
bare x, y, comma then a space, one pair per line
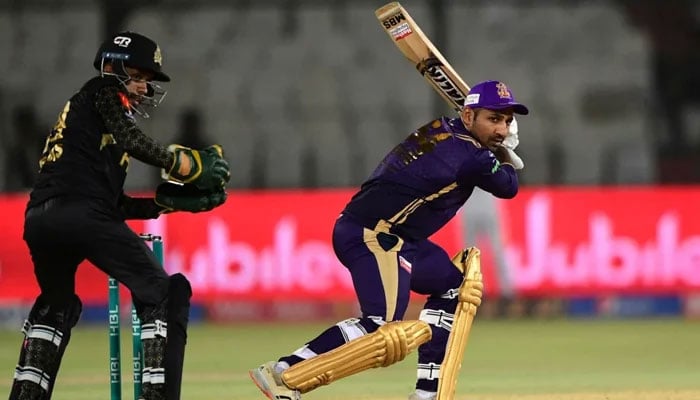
269, 381
422, 395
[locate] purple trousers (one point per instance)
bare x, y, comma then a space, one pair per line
384, 269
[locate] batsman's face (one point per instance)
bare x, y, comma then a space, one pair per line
490, 127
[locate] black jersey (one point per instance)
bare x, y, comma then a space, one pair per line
87, 152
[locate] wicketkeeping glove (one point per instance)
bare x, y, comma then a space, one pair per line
188, 197
208, 171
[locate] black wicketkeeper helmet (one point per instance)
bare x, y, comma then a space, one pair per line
133, 50
130, 49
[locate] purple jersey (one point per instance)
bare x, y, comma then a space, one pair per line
419, 186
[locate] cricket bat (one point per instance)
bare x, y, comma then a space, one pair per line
419, 50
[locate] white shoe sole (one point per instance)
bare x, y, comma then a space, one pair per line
261, 379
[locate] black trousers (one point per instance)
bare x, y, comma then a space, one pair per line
61, 233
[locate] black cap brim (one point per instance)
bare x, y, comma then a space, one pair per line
160, 77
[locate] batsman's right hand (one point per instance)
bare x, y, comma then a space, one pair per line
511, 142
515, 159
508, 156
208, 169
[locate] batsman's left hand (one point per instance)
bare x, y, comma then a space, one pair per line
512, 140
188, 197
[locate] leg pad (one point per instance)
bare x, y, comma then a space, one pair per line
46, 336
389, 344
468, 261
164, 335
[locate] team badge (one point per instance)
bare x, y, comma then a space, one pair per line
503, 91
157, 57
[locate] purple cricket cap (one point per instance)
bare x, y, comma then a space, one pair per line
493, 95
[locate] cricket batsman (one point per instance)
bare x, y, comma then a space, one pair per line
381, 237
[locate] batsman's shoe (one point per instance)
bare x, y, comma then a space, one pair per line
270, 383
422, 395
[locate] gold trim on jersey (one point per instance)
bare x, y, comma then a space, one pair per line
468, 139
124, 161
106, 140
401, 216
53, 146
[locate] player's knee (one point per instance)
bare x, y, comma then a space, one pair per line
439, 319
344, 331
50, 321
179, 296
154, 292
460, 290
179, 290
388, 344
444, 274
353, 328
62, 315
173, 307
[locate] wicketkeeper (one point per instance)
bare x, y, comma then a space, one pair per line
77, 211
382, 238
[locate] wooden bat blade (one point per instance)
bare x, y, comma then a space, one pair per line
393, 18
419, 50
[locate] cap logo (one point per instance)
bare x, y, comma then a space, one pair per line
122, 41
472, 99
503, 91
157, 57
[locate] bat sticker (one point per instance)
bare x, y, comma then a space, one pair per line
401, 31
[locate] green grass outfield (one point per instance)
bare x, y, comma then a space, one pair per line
525, 360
